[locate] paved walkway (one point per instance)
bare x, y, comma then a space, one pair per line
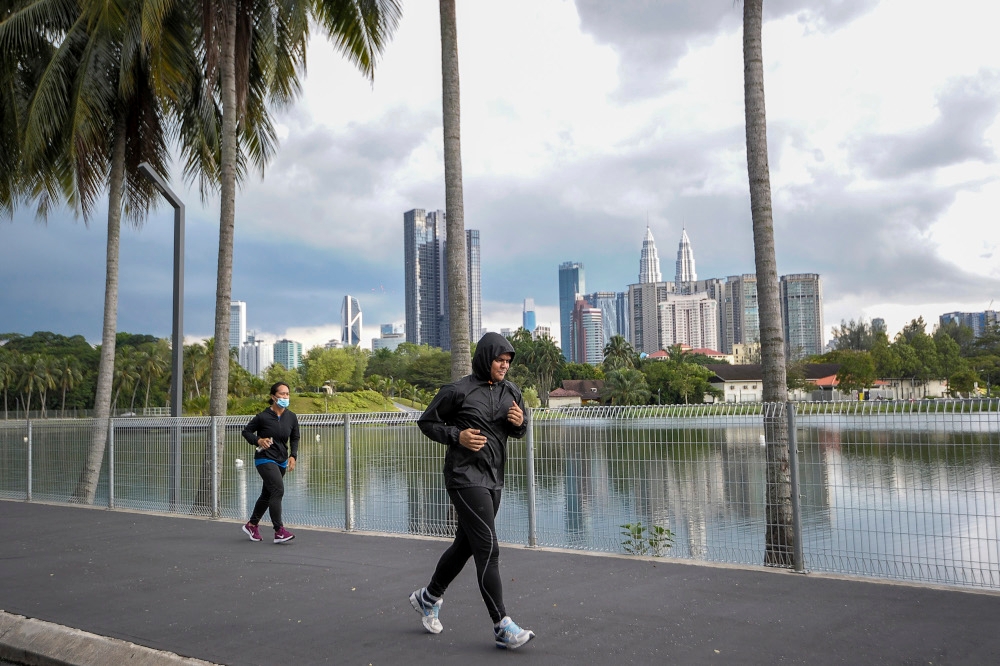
200, 589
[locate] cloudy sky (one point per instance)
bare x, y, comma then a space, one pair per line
581, 122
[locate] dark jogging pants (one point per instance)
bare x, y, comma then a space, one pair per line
270, 494
475, 537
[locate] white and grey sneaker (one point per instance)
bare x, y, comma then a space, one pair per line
509, 636
428, 612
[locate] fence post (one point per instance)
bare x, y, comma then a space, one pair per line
532, 537
241, 488
29, 440
111, 463
348, 485
798, 559
215, 474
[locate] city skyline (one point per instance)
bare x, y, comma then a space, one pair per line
883, 168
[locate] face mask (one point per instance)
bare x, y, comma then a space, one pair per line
282, 402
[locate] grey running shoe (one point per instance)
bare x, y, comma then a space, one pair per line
428, 612
509, 636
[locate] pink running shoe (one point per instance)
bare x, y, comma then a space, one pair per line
281, 535
251, 531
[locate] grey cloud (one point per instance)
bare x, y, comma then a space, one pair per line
652, 36
967, 107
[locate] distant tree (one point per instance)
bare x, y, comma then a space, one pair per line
618, 354
580, 371
963, 383
963, 336
853, 336
278, 373
68, 375
949, 356
530, 396
856, 372
626, 386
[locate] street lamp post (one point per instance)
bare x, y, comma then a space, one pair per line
177, 338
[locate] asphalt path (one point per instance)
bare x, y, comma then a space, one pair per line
200, 589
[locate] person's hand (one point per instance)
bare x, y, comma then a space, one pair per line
471, 439
264, 442
291, 464
515, 415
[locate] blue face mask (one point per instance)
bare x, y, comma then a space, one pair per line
282, 402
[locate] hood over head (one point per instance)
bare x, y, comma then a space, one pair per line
489, 347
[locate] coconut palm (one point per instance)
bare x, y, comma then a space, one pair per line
9, 363
68, 375
95, 113
618, 354
626, 386
780, 535
458, 282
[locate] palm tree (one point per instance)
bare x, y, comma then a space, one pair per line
152, 363
9, 363
618, 354
626, 386
253, 52
458, 283
95, 114
68, 375
780, 535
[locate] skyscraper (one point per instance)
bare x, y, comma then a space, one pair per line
614, 312
256, 356
587, 333
649, 262
474, 272
741, 315
802, 314
644, 316
288, 353
425, 237
685, 274
571, 283
528, 315
237, 323
350, 322
689, 319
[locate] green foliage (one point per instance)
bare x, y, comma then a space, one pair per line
857, 370
626, 386
619, 354
853, 336
344, 366
531, 399
678, 379
640, 541
580, 371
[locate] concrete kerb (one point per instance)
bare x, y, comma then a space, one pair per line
32, 642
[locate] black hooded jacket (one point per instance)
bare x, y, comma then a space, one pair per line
475, 402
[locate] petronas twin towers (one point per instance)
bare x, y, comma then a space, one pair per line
649, 262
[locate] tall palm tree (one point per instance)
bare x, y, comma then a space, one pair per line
254, 51
96, 113
626, 386
458, 282
618, 354
68, 374
780, 536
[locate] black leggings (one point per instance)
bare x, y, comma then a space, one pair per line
475, 537
270, 494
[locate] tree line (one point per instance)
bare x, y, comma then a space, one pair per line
952, 353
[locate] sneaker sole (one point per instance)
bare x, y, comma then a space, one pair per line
425, 620
284, 540
514, 646
250, 534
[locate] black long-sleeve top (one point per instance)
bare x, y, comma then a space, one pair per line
475, 402
283, 431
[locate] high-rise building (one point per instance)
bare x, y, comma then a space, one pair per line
644, 317
802, 314
425, 237
288, 353
685, 275
587, 333
571, 283
391, 336
542, 331
689, 319
741, 314
351, 328
237, 323
649, 261
474, 271
256, 356
977, 321
614, 312
528, 315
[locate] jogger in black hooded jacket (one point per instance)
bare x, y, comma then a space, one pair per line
473, 417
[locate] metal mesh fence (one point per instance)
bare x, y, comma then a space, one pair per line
895, 490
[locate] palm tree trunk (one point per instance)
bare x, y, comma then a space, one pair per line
86, 487
227, 219
780, 536
458, 279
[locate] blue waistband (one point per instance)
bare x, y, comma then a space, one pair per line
264, 461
